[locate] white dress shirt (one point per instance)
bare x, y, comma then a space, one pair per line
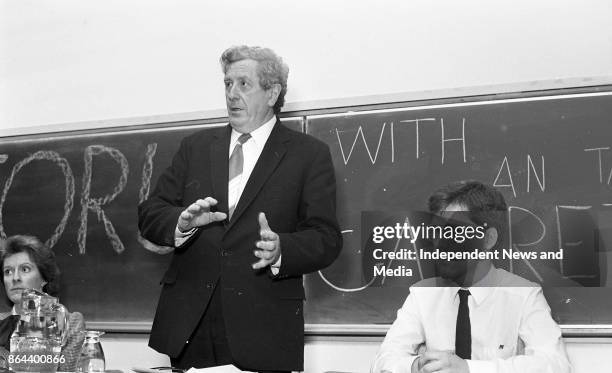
512, 329
251, 150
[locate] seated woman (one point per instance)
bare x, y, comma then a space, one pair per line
28, 264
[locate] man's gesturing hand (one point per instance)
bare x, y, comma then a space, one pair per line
268, 245
198, 214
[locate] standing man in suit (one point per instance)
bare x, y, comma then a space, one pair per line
250, 208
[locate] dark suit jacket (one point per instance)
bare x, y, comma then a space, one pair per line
293, 183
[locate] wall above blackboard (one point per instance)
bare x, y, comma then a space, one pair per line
549, 153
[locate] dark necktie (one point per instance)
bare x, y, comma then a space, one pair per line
463, 333
236, 162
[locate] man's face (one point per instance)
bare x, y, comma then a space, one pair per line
248, 104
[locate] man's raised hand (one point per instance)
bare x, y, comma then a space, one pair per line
198, 214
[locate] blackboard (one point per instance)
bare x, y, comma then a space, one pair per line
550, 157
549, 153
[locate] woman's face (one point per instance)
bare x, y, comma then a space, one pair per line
20, 273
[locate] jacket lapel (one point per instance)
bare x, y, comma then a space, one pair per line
219, 161
271, 155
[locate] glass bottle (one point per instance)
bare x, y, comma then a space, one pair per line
37, 340
91, 358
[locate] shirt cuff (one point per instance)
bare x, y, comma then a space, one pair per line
181, 237
275, 267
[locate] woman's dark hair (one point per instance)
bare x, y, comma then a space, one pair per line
40, 254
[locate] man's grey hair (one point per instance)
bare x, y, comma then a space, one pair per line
270, 68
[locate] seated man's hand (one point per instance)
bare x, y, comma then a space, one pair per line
268, 246
198, 214
441, 362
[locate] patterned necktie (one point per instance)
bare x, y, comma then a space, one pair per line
236, 163
463, 333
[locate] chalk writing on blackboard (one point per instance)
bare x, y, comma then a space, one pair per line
95, 204
342, 289
62, 163
374, 150
147, 171
347, 157
600, 163
506, 167
89, 203
145, 187
416, 128
569, 244
444, 140
531, 169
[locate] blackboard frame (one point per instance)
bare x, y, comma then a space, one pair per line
568, 331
